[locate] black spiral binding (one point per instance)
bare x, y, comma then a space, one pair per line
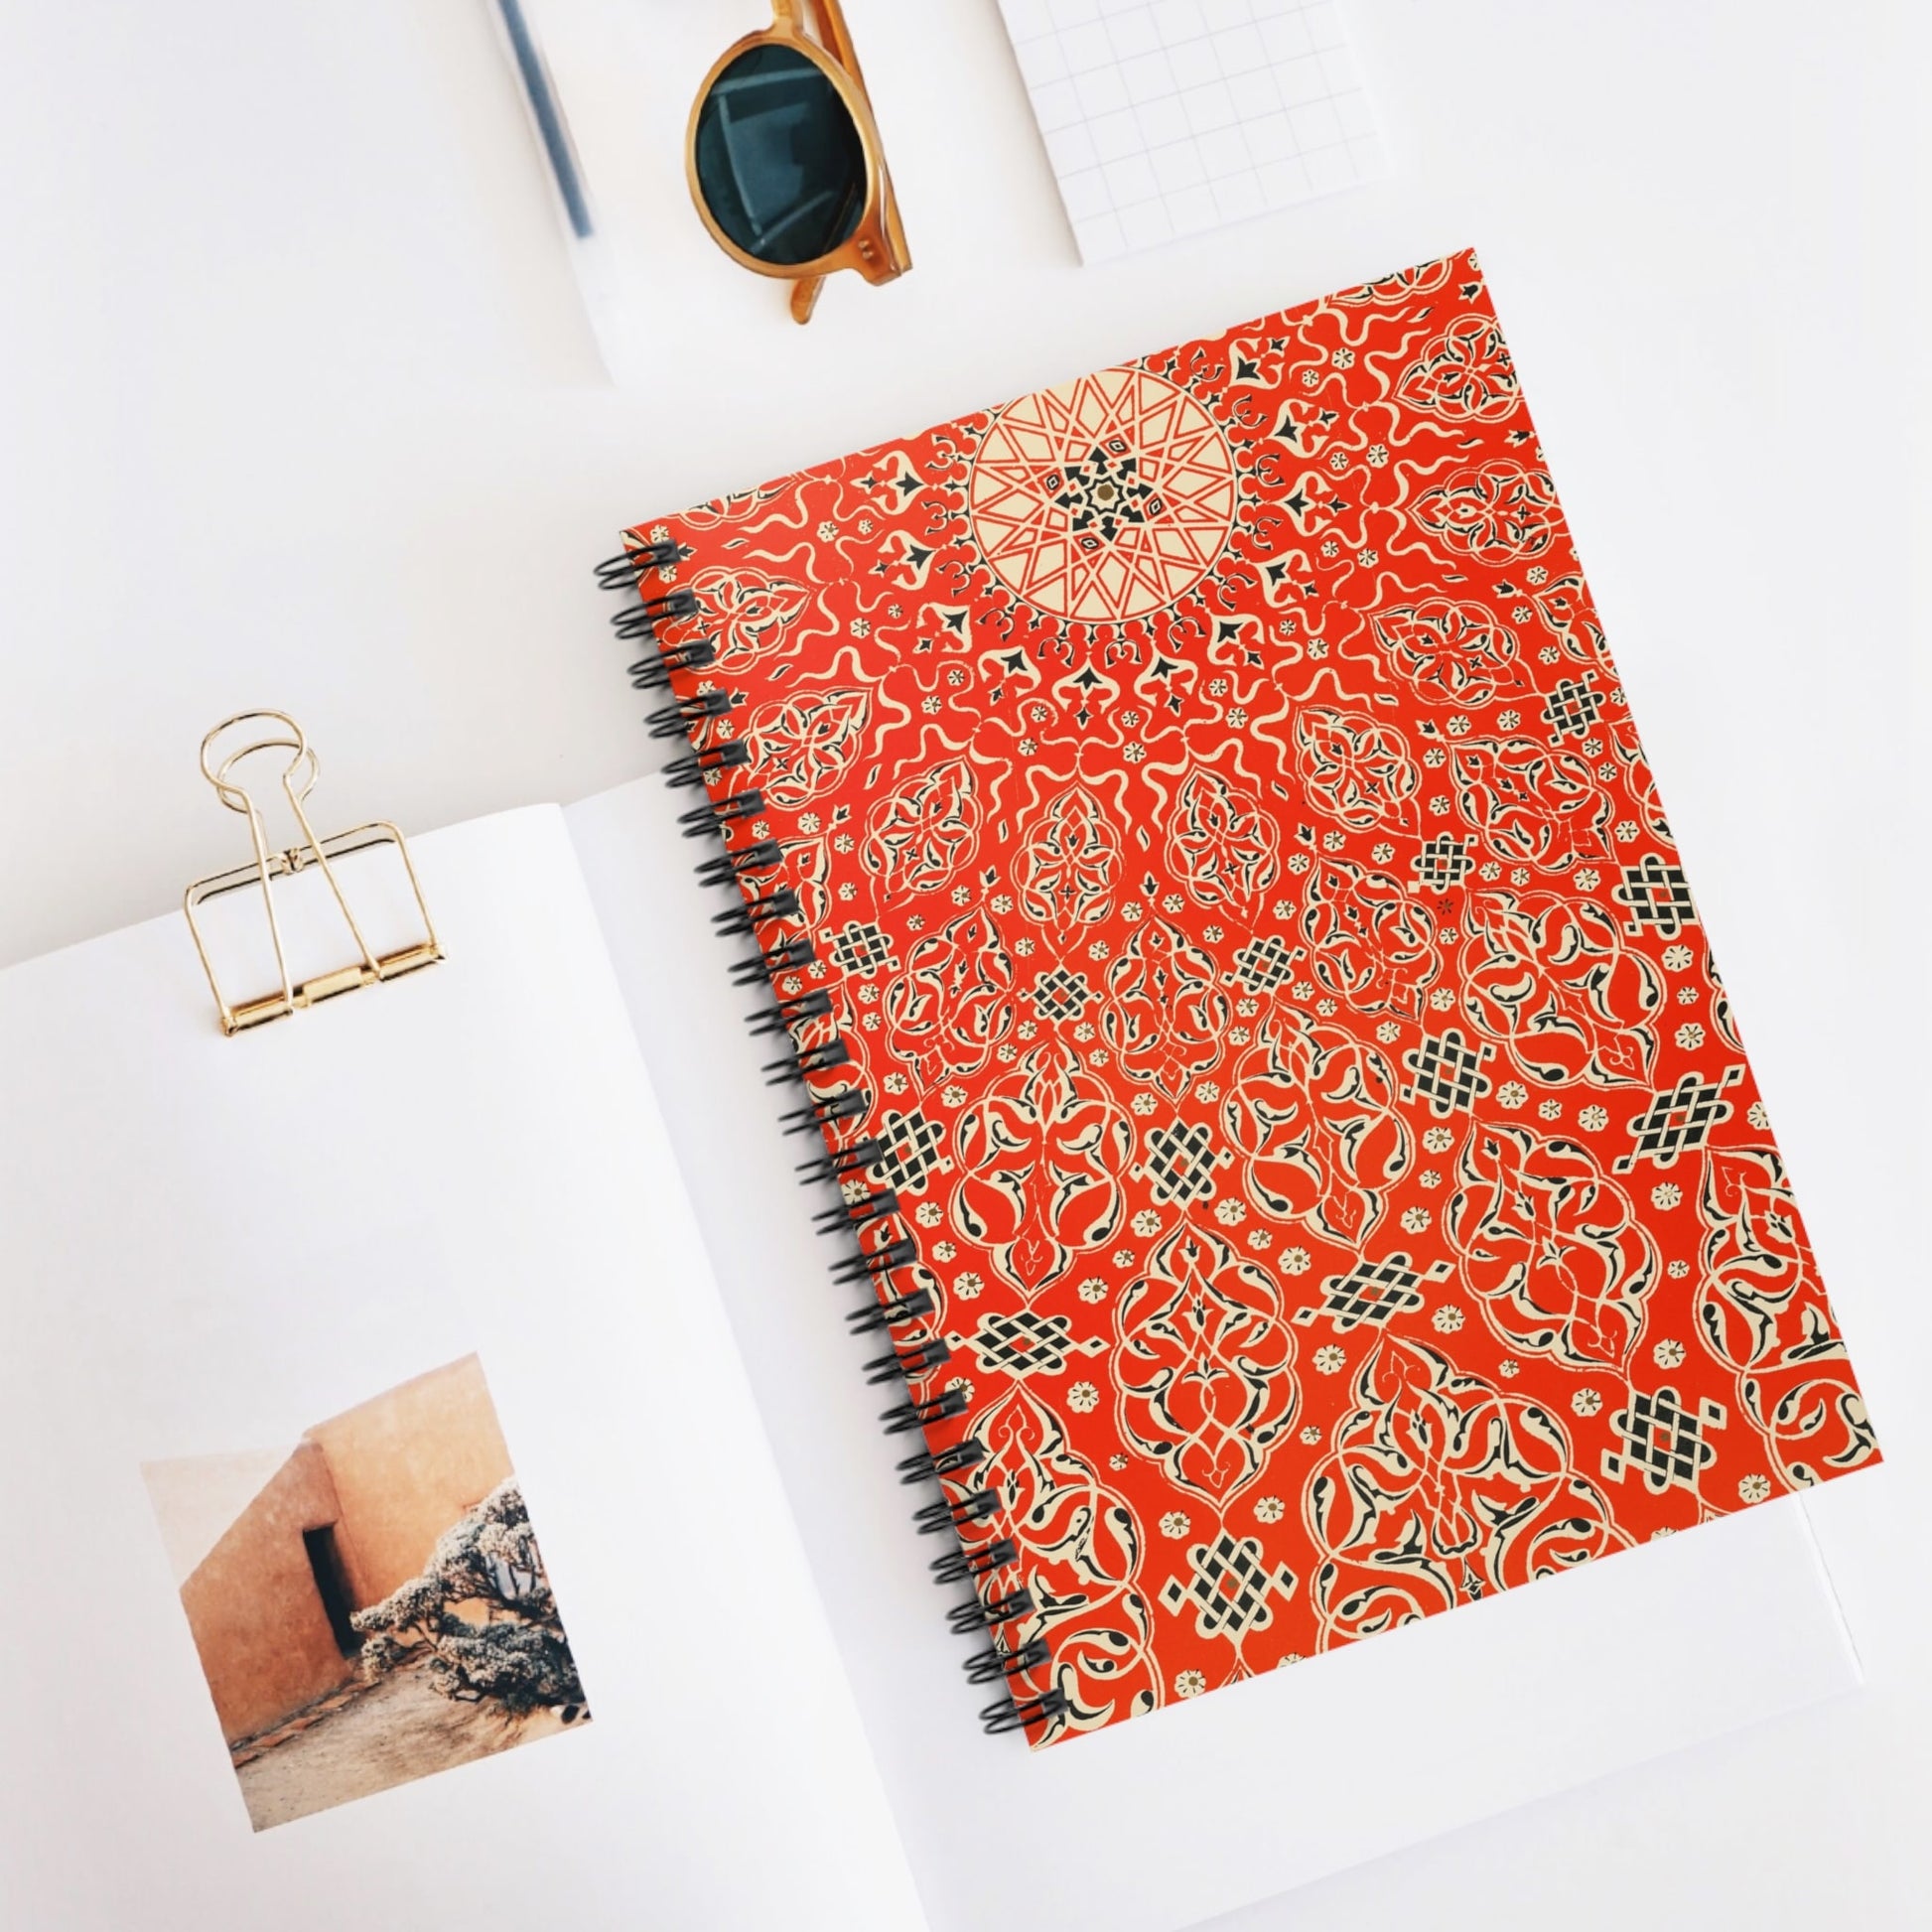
621, 572
654, 673
867, 1211
676, 720
884, 1314
921, 1359
701, 819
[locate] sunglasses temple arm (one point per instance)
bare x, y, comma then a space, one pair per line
832, 30
804, 296
901, 255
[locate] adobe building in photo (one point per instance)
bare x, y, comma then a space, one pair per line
274, 1550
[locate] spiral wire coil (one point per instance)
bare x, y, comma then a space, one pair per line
869, 1212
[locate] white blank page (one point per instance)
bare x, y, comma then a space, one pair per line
206, 1244
1168, 118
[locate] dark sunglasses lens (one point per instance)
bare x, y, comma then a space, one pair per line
780, 164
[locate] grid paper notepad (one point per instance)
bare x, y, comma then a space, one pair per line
1168, 118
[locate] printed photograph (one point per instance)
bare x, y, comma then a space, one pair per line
368, 1598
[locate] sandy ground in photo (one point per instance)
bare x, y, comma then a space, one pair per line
394, 1731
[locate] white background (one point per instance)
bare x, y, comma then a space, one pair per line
298, 406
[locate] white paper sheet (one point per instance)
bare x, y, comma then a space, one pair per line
1165, 118
206, 1244
1198, 1809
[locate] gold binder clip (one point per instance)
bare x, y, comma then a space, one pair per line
297, 780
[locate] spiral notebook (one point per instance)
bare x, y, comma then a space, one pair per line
1219, 911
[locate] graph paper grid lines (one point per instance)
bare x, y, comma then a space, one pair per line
1164, 118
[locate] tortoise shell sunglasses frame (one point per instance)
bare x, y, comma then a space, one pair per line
875, 244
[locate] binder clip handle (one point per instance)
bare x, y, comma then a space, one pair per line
276, 730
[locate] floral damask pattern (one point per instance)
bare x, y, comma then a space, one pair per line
1202, 1367
1235, 880
918, 838
1042, 1154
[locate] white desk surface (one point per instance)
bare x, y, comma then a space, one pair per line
298, 407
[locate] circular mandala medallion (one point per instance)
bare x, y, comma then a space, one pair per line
1105, 498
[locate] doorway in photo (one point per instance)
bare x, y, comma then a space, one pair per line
367, 1599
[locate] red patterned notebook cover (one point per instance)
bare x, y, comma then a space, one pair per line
1241, 894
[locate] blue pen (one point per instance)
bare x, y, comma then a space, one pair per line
552, 129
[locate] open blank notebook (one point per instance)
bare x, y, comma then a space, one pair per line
1166, 117
264, 1300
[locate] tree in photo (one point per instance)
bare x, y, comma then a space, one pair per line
511, 1650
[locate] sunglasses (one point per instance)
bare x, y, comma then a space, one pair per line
785, 160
